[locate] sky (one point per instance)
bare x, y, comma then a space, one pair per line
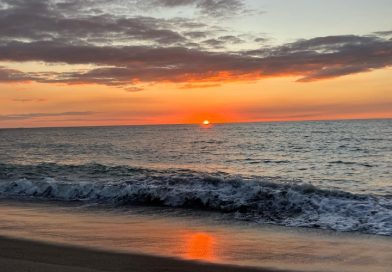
136, 62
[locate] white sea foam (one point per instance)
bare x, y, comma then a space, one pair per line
256, 199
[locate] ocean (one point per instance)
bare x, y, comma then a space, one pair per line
308, 196
334, 175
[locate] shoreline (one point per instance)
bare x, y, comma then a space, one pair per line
133, 237
33, 256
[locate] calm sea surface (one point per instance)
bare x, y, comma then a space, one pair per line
312, 174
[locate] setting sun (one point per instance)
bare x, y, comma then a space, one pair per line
206, 122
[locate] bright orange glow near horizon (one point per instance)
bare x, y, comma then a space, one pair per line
365, 95
206, 122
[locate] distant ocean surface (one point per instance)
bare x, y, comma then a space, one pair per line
330, 174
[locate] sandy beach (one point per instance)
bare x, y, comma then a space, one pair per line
22, 255
72, 238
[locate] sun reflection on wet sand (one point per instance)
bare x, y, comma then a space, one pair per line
200, 246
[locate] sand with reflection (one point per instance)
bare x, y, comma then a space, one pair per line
197, 238
200, 246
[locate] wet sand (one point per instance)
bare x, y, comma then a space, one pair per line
29, 256
127, 240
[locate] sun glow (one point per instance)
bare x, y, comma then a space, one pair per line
206, 122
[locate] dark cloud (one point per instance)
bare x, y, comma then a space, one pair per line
44, 20
11, 117
313, 59
327, 57
196, 34
384, 33
223, 41
78, 22
261, 40
11, 75
207, 7
214, 43
128, 50
231, 39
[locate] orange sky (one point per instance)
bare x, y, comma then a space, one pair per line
365, 95
99, 63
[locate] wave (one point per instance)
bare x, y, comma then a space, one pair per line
263, 200
351, 163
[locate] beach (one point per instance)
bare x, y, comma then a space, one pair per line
23, 255
56, 237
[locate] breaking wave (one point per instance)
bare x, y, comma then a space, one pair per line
264, 200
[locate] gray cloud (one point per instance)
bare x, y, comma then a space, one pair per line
327, 57
12, 75
44, 20
384, 33
313, 59
27, 116
207, 7
126, 50
196, 34
87, 22
223, 41
261, 39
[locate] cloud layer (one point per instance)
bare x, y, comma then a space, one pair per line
208, 7
40, 115
126, 50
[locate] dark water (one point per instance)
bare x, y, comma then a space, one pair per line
333, 175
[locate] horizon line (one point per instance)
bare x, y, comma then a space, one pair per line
212, 123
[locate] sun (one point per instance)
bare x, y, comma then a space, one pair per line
206, 122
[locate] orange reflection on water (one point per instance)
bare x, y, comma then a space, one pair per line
200, 246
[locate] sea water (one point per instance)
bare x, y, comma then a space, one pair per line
334, 175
